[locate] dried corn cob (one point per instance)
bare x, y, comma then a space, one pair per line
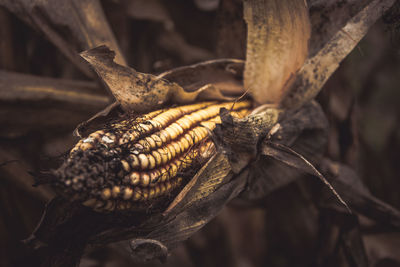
140, 159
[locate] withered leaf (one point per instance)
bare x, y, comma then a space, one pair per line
305, 131
141, 92
135, 91
203, 202
327, 17
354, 192
277, 45
225, 75
239, 138
317, 69
296, 160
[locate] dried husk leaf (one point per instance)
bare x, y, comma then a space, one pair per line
327, 16
140, 92
225, 75
317, 70
356, 194
239, 138
135, 91
71, 25
305, 131
277, 45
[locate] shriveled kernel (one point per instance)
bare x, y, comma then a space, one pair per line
145, 127
137, 147
125, 165
173, 170
115, 191
190, 139
137, 194
90, 203
109, 206
152, 162
196, 117
127, 193
157, 190
144, 179
106, 193
165, 135
176, 147
164, 175
163, 188
108, 138
99, 204
168, 186
171, 150
145, 194
152, 192
134, 161
157, 157
185, 123
163, 154
173, 133
151, 142
154, 176
144, 161
122, 206
184, 143
145, 146
86, 146
157, 140
134, 178
177, 128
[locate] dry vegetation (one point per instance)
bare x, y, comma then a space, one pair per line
55, 74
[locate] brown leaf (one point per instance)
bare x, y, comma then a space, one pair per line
239, 138
225, 75
317, 70
327, 17
277, 46
304, 130
141, 92
135, 91
354, 192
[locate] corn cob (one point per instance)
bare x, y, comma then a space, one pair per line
136, 160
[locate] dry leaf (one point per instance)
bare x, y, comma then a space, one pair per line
317, 70
141, 92
277, 45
